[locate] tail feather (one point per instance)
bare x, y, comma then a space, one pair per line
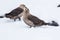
52, 24
1, 16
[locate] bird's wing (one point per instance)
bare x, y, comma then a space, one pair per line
34, 19
16, 11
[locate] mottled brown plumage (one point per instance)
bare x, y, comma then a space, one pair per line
34, 21
31, 20
16, 11
14, 14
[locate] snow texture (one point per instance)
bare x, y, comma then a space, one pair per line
46, 10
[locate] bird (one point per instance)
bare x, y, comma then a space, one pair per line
34, 21
14, 14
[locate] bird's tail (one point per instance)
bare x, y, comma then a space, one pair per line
52, 24
1, 16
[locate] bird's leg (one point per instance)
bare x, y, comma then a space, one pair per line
14, 19
19, 18
30, 26
34, 26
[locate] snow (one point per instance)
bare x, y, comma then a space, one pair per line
46, 10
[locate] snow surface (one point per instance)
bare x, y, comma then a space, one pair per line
44, 9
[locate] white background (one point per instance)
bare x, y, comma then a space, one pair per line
46, 10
